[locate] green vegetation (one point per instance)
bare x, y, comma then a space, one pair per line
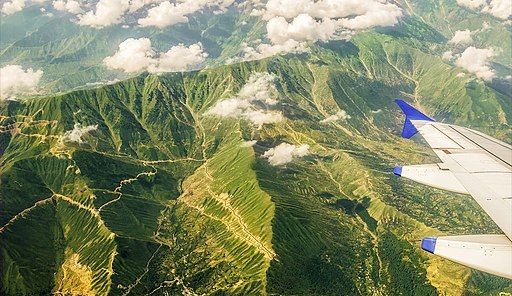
406, 278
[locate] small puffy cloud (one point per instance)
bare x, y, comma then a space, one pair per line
303, 28
234, 107
499, 8
135, 55
78, 131
100, 83
261, 117
71, 6
179, 58
285, 153
477, 61
107, 13
13, 6
164, 15
259, 90
14, 80
167, 13
376, 14
342, 114
138, 4
462, 37
264, 50
260, 87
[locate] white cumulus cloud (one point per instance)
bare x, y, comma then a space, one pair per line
291, 24
261, 117
168, 13
342, 114
258, 91
462, 37
138, 4
165, 14
260, 87
135, 55
264, 50
302, 28
106, 13
499, 8
234, 107
477, 61
71, 6
285, 153
179, 58
14, 80
78, 131
13, 6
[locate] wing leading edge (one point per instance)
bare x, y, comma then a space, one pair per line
475, 164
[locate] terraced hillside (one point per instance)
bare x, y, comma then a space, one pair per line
137, 188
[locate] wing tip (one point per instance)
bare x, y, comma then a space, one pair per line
397, 170
429, 244
411, 113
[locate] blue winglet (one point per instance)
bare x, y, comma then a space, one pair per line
410, 114
429, 244
397, 171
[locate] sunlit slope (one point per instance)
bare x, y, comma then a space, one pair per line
163, 198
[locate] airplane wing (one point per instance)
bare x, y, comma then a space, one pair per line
471, 163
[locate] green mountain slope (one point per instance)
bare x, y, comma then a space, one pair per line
162, 198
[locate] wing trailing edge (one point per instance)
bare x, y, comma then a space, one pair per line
491, 253
431, 175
